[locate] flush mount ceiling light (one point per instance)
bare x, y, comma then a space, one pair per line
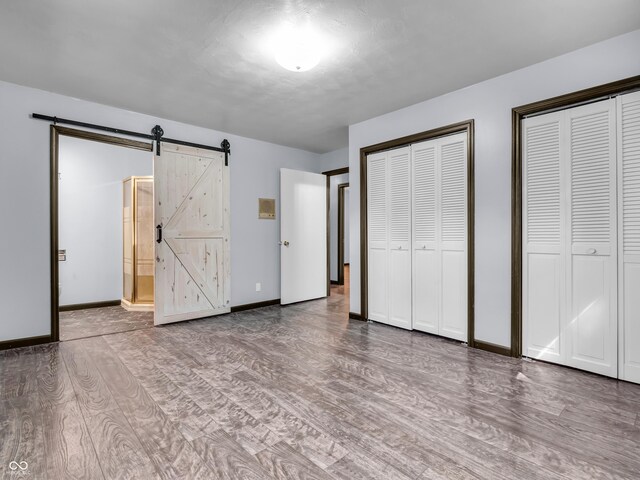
298, 48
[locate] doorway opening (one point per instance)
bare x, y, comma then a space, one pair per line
102, 234
343, 239
337, 234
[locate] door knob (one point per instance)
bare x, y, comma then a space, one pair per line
285, 243
592, 251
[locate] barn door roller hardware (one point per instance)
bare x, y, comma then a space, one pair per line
156, 135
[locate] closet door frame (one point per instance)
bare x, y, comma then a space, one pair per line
55, 132
518, 114
467, 127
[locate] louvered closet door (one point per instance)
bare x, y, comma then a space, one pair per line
569, 238
453, 236
377, 225
543, 282
629, 235
399, 238
426, 254
439, 184
592, 269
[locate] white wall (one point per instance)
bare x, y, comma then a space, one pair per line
335, 159
90, 216
24, 202
334, 181
490, 104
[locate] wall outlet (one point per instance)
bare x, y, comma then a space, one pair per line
258, 287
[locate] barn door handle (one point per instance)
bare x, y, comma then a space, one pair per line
159, 233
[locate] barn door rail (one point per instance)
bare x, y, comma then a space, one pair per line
156, 135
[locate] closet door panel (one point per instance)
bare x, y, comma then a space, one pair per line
377, 224
453, 236
591, 295
629, 234
426, 263
593, 264
400, 238
400, 289
378, 275
453, 322
542, 280
543, 307
426, 268
630, 325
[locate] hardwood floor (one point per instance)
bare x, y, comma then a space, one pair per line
101, 321
304, 392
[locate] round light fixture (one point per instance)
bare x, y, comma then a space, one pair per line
298, 48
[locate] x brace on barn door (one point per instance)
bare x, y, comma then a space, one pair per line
157, 135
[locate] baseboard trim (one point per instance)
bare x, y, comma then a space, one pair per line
86, 306
356, 316
251, 306
492, 347
25, 342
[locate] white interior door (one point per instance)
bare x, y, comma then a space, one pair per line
440, 274
399, 241
389, 237
426, 253
629, 235
569, 238
592, 234
191, 198
378, 245
453, 236
543, 283
303, 236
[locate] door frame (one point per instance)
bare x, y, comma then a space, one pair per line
55, 132
341, 226
467, 127
329, 174
562, 102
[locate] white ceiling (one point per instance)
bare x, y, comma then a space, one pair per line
204, 62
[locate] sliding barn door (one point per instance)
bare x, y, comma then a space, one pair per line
192, 277
389, 237
629, 235
439, 220
569, 238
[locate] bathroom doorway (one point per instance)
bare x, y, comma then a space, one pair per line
105, 234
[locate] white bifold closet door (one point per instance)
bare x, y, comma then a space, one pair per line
439, 218
389, 237
628, 108
570, 238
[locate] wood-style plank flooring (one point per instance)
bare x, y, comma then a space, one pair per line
101, 321
302, 392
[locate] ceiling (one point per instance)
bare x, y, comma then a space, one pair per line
206, 63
